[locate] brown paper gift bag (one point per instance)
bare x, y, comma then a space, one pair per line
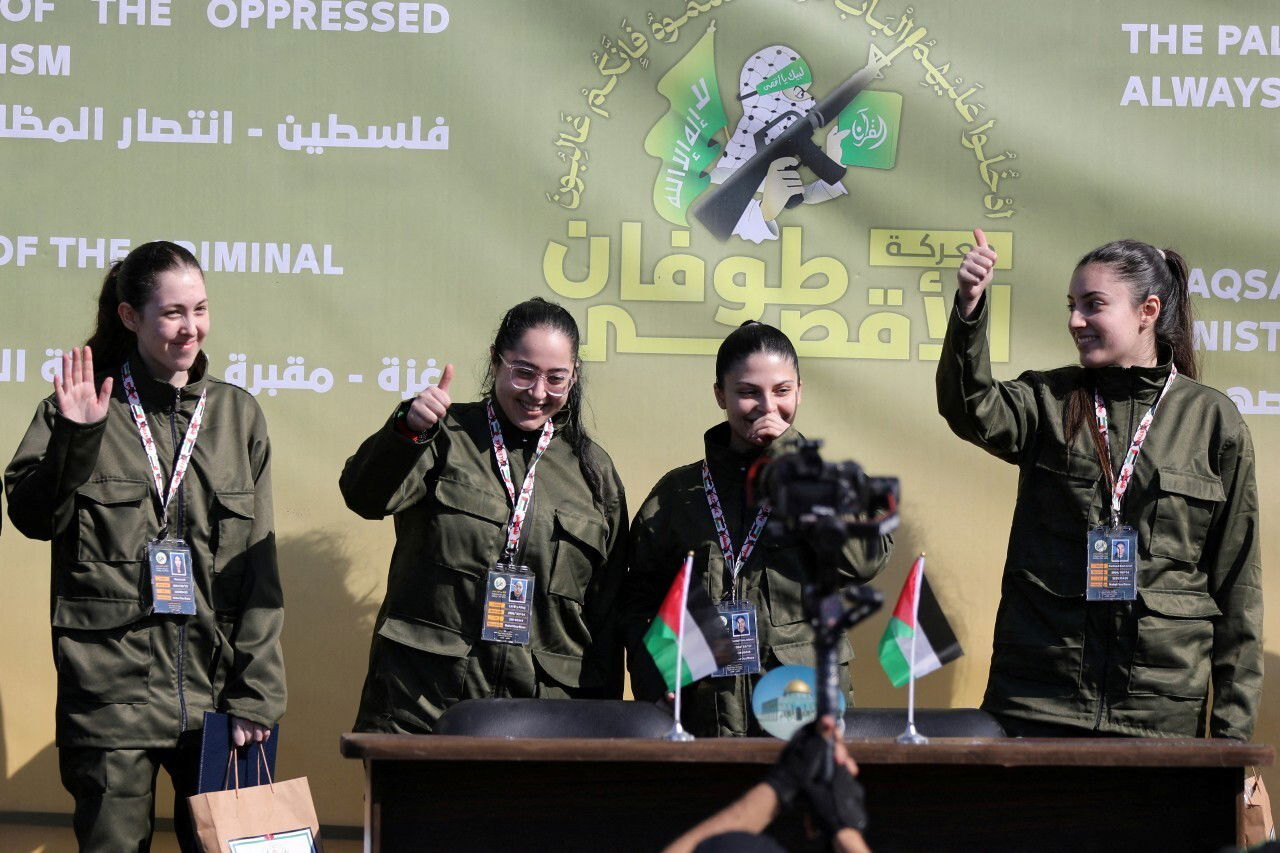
1254, 825
278, 817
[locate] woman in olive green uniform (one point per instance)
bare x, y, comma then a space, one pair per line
752, 573
1132, 580
151, 450
510, 537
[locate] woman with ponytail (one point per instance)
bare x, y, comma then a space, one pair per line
510, 536
1131, 602
754, 574
151, 479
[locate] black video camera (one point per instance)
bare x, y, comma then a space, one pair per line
826, 502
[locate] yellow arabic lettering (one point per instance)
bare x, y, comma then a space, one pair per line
582, 124
739, 280
857, 13
935, 314
595, 347
597, 274
884, 335
679, 277
639, 44
602, 60
668, 29
968, 111
976, 138
989, 177
568, 200
596, 97
1000, 316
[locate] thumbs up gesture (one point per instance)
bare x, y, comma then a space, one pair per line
429, 407
976, 270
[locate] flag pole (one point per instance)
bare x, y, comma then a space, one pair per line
677, 731
911, 735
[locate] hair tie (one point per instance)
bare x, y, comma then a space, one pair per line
1163, 256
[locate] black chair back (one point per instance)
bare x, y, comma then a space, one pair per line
554, 718
930, 722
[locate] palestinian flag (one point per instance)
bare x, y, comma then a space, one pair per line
687, 610
917, 614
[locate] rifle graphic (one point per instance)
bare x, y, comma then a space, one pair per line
720, 208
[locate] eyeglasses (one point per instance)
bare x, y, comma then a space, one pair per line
557, 382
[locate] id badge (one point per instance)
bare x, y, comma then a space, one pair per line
508, 613
172, 588
1112, 574
739, 619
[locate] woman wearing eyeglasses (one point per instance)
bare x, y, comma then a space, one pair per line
502, 495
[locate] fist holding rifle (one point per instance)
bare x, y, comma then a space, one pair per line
975, 273
73, 392
429, 407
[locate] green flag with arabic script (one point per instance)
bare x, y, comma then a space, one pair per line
681, 139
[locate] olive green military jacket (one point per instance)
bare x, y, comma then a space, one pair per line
128, 678
674, 520
451, 512
1142, 667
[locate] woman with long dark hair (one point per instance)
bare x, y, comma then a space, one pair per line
151, 479
510, 536
1131, 602
754, 575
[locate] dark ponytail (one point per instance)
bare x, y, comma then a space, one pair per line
1146, 271
132, 280
748, 339
1177, 327
538, 313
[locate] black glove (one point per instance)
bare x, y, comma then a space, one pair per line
837, 804
805, 759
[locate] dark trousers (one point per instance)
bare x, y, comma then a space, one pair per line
115, 789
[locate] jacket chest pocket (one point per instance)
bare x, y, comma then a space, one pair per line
112, 521
1174, 641
785, 581
231, 524
1060, 494
468, 527
1184, 510
579, 550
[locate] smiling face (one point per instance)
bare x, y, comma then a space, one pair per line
172, 325
548, 352
760, 396
1108, 328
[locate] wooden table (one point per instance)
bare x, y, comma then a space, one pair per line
462, 793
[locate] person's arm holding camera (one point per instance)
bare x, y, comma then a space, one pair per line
834, 806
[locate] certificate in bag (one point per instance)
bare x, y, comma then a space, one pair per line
276, 816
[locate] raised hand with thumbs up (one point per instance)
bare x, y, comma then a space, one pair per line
430, 406
976, 270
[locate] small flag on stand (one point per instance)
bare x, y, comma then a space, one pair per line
917, 623
687, 635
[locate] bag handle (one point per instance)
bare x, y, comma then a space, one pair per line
233, 770
264, 767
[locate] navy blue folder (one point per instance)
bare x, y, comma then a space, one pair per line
216, 773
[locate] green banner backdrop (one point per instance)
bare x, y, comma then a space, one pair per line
370, 184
